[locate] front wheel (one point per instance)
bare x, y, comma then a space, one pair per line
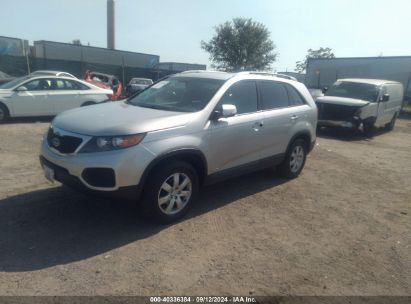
170, 191
390, 126
369, 129
295, 159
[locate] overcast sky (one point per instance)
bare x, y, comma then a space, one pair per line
173, 29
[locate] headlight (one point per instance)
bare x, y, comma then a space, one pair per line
109, 143
358, 113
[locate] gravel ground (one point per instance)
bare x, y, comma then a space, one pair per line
342, 228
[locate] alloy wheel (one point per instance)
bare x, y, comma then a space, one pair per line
296, 159
174, 193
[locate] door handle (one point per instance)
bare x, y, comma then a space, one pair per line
257, 125
294, 117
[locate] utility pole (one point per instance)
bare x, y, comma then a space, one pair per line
26, 53
111, 35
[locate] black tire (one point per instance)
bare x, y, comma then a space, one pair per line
369, 129
287, 169
390, 126
88, 103
4, 113
150, 203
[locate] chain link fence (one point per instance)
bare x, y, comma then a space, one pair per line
20, 66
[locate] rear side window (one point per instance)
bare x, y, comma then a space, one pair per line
273, 95
75, 85
294, 98
243, 95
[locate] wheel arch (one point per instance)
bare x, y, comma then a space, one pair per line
5, 106
192, 156
305, 135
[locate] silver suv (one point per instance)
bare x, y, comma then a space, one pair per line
182, 132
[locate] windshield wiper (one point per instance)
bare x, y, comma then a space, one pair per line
157, 107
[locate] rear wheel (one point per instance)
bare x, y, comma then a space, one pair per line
4, 113
171, 189
295, 159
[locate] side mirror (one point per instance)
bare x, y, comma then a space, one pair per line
21, 89
385, 98
325, 89
226, 110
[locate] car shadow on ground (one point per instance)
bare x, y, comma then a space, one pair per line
58, 225
349, 135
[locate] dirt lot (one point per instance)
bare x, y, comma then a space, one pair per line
342, 228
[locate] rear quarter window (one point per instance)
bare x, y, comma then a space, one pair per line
294, 97
273, 95
77, 85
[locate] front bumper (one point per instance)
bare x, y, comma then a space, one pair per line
127, 166
339, 124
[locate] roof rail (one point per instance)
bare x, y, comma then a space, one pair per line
268, 74
201, 71
191, 71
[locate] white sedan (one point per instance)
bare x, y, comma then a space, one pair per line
47, 96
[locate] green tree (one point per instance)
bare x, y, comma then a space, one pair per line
301, 66
239, 45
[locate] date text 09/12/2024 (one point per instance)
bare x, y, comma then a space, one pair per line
208, 299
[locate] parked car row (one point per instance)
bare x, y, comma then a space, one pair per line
101, 80
48, 92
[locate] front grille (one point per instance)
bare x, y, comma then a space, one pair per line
63, 143
327, 111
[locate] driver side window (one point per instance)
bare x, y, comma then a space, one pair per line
243, 95
38, 85
32, 85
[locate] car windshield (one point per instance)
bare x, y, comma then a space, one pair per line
180, 94
141, 81
363, 91
13, 83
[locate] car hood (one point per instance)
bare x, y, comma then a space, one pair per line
119, 118
342, 101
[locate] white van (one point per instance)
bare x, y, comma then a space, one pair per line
360, 104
